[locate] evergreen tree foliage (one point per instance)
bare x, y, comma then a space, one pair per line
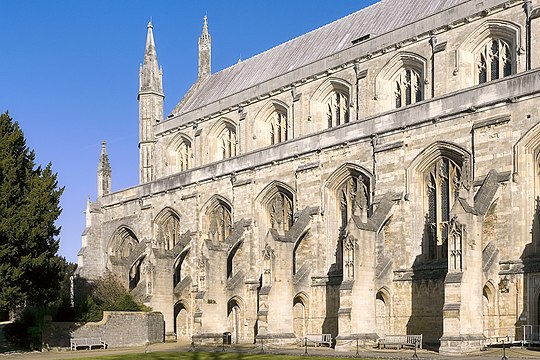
104, 294
30, 271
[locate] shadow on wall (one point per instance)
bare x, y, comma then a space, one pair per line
427, 293
531, 286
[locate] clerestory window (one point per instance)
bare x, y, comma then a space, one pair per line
279, 127
494, 61
408, 87
228, 143
337, 109
183, 156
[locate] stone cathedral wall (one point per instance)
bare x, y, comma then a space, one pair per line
223, 285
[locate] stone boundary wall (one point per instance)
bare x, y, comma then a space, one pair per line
117, 329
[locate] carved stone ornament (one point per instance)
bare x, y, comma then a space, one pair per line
455, 243
268, 253
466, 176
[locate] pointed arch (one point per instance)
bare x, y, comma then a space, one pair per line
179, 156
167, 228
235, 317
401, 81
300, 314
179, 266
277, 201
382, 311
122, 242
348, 191
224, 135
135, 272
217, 218
489, 52
182, 320
434, 179
230, 258
274, 116
330, 104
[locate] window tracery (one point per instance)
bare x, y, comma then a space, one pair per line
168, 232
183, 156
281, 212
220, 223
494, 61
228, 143
442, 184
123, 243
337, 109
408, 88
353, 199
279, 126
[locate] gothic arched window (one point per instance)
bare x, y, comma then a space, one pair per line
337, 109
183, 156
220, 222
281, 212
228, 143
168, 231
442, 182
408, 87
353, 199
279, 127
122, 243
494, 61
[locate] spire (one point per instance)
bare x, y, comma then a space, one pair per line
104, 172
205, 51
150, 73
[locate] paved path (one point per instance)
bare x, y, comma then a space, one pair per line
512, 354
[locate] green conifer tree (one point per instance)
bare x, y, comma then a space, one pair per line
30, 271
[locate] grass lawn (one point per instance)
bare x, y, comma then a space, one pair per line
207, 356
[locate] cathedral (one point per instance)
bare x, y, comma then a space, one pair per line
377, 176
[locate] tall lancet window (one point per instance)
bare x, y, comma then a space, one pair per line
338, 109
183, 156
279, 127
494, 61
353, 200
281, 212
442, 183
220, 222
228, 143
408, 88
168, 230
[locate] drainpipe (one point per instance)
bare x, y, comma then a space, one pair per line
432, 42
528, 10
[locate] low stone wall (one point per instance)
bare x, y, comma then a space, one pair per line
117, 329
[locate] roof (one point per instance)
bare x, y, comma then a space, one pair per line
377, 19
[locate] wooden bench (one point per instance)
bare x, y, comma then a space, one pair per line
87, 342
401, 340
319, 339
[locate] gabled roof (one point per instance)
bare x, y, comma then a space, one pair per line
377, 19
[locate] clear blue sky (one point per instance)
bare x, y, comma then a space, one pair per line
69, 74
